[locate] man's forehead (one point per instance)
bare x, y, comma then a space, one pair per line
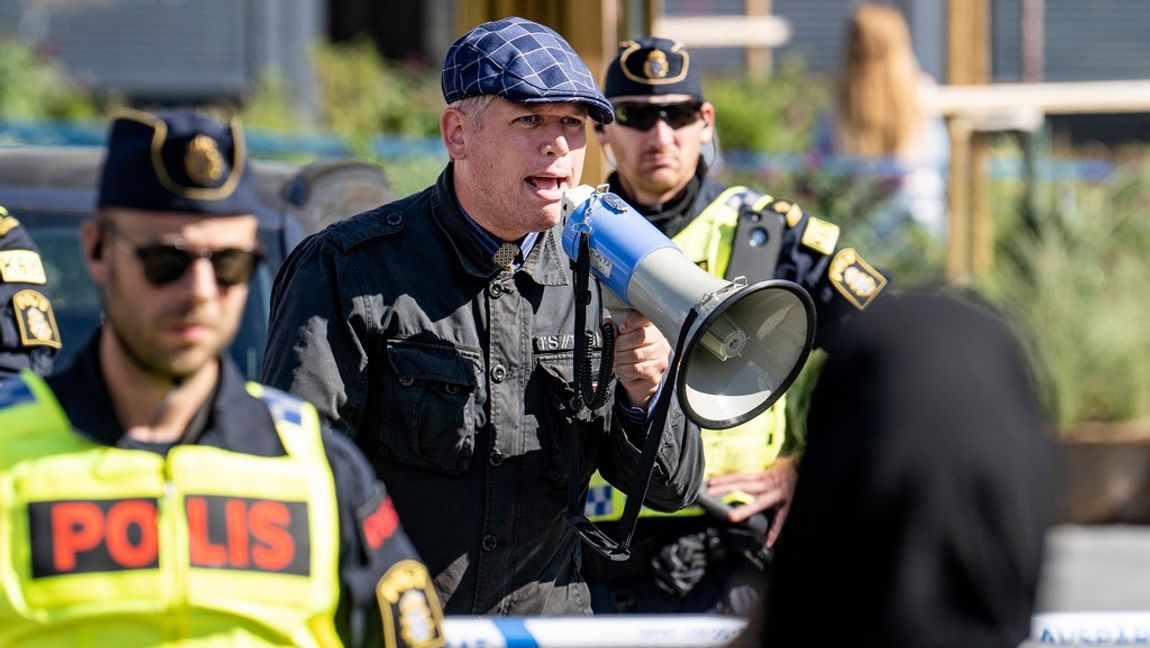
547, 108
156, 222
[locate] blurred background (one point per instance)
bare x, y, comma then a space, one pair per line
1045, 103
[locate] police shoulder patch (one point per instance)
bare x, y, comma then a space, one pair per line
820, 235
854, 278
409, 607
35, 319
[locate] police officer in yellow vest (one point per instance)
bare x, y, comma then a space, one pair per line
29, 338
151, 497
692, 561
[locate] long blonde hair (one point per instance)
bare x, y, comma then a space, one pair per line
878, 108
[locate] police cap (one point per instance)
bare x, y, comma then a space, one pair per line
177, 161
652, 66
520, 61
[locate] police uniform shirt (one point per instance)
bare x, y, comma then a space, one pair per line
29, 337
236, 421
797, 262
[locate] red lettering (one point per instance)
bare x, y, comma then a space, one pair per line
237, 520
200, 548
379, 526
123, 515
270, 524
76, 527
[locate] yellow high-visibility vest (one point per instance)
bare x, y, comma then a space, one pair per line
106, 546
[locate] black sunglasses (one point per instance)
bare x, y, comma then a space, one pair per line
164, 264
642, 116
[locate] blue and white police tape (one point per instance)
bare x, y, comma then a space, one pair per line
1091, 628
588, 632
705, 631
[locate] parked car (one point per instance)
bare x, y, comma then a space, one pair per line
51, 190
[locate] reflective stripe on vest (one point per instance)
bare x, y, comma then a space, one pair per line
750, 447
203, 547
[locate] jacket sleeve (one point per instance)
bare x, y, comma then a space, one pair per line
386, 593
315, 346
29, 338
678, 470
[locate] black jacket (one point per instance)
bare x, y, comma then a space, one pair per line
456, 378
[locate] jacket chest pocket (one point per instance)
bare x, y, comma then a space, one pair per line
429, 407
566, 420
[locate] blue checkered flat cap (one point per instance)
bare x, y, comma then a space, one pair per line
521, 61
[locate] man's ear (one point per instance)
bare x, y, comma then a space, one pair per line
92, 242
453, 130
708, 132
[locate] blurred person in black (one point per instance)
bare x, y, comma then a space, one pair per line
925, 490
29, 338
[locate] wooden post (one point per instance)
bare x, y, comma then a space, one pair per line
758, 58
971, 230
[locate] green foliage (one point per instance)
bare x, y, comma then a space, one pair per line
1073, 279
773, 115
32, 88
362, 95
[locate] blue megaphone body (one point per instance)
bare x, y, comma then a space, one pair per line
746, 344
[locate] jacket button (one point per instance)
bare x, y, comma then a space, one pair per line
489, 542
406, 382
495, 290
498, 373
394, 218
495, 458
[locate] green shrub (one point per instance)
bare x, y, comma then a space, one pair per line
33, 88
1073, 280
775, 115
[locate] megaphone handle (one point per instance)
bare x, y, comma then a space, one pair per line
759, 523
591, 397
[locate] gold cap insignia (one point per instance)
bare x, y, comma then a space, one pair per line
656, 65
203, 160
854, 278
35, 319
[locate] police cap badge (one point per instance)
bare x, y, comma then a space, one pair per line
178, 161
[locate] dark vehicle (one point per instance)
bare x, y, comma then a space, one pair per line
51, 190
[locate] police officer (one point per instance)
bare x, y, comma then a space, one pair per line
439, 330
692, 561
153, 497
29, 337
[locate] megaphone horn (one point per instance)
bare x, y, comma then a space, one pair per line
747, 343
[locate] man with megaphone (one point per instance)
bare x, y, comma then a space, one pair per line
439, 332
693, 561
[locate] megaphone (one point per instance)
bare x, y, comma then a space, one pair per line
747, 343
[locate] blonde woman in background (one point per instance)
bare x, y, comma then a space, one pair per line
883, 124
